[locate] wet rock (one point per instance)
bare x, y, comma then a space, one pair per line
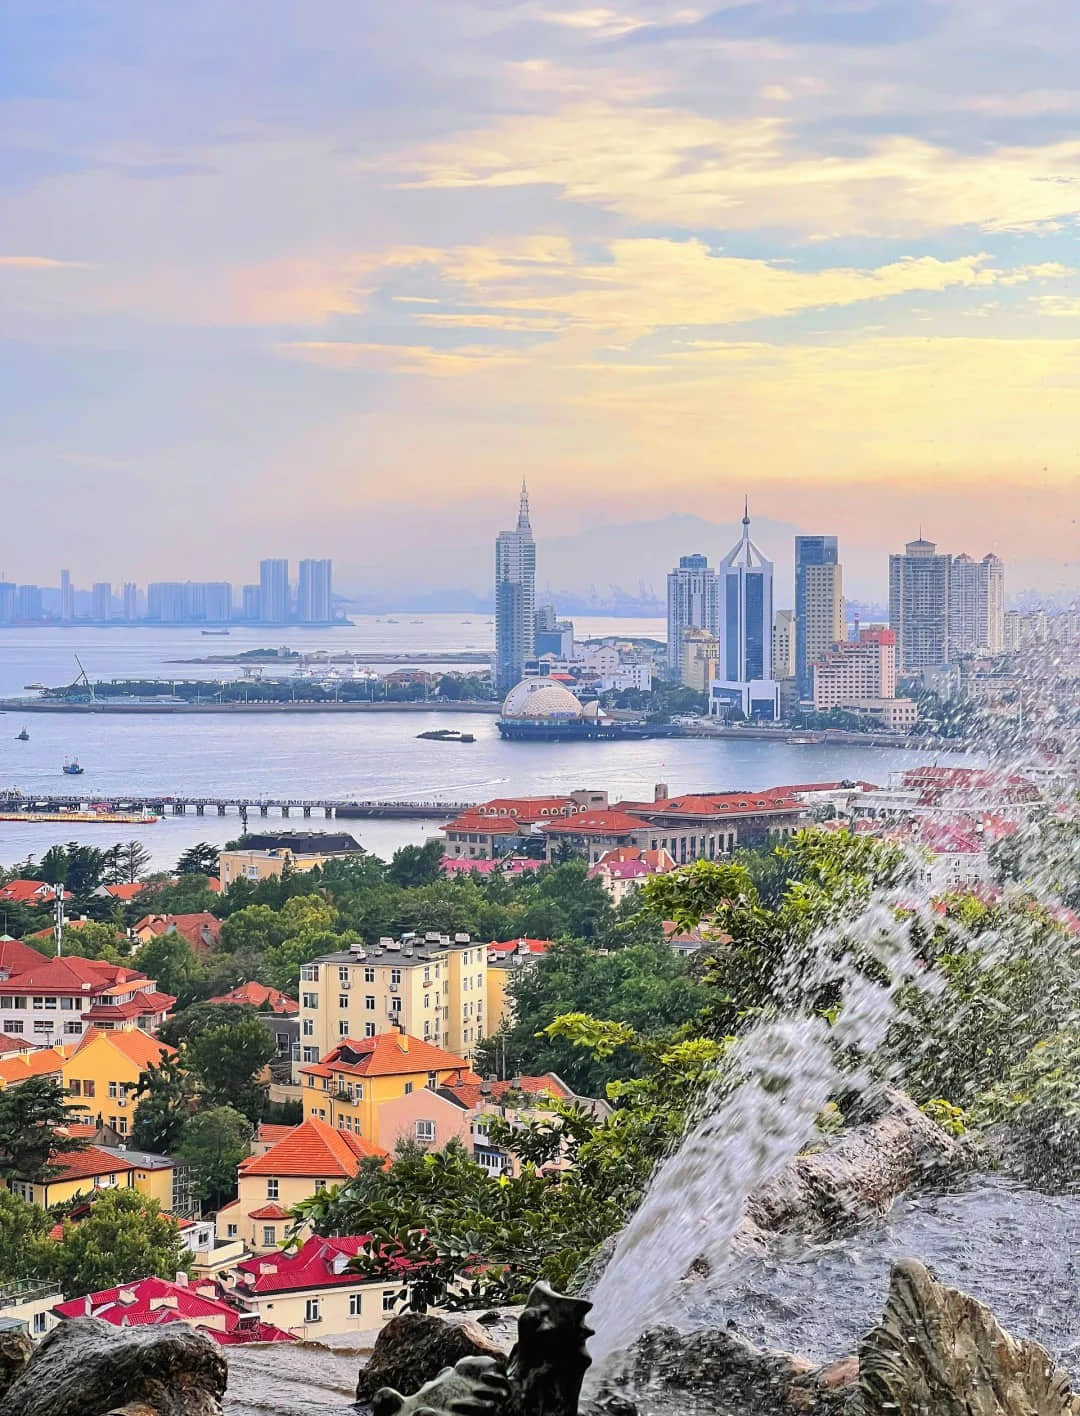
86, 1367
413, 1348
16, 1350
938, 1351
476, 1385
888, 1148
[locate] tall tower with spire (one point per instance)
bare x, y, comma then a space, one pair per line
744, 681
515, 598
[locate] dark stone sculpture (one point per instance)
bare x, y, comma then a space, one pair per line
542, 1377
414, 1348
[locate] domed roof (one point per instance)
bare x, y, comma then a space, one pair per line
540, 698
593, 710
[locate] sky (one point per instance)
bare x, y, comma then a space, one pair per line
328, 278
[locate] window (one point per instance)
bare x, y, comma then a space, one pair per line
427, 1000
427, 1030
67, 1004
16, 1002
269, 1236
408, 1088
40, 1320
343, 1000
69, 1027
88, 1089
369, 1029
48, 1003
272, 1189
395, 1005
427, 973
310, 973
309, 1027
343, 1028
369, 1002
425, 1130
311, 1311
112, 1090
14, 1025
320, 1185
388, 1300
43, 1025
432, 1080
310, 1000
311, 1054
356, 1304
343, 973
75, 1087
121, 1125
395, 976
230, 1231
369, 974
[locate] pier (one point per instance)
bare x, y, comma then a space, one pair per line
181, 804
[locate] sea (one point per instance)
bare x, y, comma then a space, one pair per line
364, 756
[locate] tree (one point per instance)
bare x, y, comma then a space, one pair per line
166, 1096
124, 1237
125, 862
416, 865
214, 1143
79, 867
94, 940
255, 928
171, 960
201, 1018
226, 1060
29, 1116
200, 859
23, 1227
190, 894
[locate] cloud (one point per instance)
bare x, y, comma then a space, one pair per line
655, 164
398, 358
38, 263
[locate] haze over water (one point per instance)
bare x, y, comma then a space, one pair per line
357, 756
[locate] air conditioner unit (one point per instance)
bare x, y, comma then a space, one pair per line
345, 984
393, 987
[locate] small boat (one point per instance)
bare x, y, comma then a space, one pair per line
24, 736
72, 768
215, 631
446, 735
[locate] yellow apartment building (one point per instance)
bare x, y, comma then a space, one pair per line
158, 1177
312, 1156
433, 988
299, 850
103, 1072
352, 1081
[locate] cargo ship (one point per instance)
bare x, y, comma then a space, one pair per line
82, 818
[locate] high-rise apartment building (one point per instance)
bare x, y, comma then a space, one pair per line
167, 602
919, 605
216, 601
8, 601
251, 601
976, 606
819, 604
515, 599
743, 679
130, 599
313, 592
274, 591
28, 603
693, 602
855, 671
67, 597
101, 601
783, 645
1013, 635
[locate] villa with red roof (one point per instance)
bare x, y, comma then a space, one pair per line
56, 1000
314, 1290
309, 1157
155, 1302
626, 867
201, 930
258, 995
28, 892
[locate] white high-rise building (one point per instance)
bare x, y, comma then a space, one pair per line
313, 592
976, 606
515, 599
693, 602
783, 645
744, 673
919, 605
273, 591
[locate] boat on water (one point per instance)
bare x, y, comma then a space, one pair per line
91, 818
72, 768
23, 736
215, 632
446, 735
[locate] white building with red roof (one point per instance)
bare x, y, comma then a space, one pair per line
157, 1302
56, 1000
626, 867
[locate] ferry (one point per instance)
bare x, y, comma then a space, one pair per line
72, 768
93, 817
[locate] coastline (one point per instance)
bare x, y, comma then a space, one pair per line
104, 707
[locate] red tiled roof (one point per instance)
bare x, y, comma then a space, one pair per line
13, 1044
137, 1046
489, 825
201, 929
24, 892
84, 1164
16, 957
312, 1266
153, 1302
257, 995
70, 974
470, 1092
512, 946
269, 1212
527, 808
41, 1063
270, 1134
386, 1055
596, 823
127, 890
312, 1149
723, 803
142, 1003
506, 865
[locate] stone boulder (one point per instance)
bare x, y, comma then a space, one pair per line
86, 1367
938, 1351
413, 1348
16, 1349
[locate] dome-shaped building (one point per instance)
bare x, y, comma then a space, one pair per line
540, 698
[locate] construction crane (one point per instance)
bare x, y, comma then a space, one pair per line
82, 680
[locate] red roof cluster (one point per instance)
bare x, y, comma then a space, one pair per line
385, 1055
28, 892
319, 1263
312, 1149
258, 995
152, 1302
505, 865
471, 1092
201, 930
518, 946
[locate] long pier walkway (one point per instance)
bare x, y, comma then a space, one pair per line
180, 804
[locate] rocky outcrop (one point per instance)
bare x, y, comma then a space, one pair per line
16, 1349
938, 1351
413, 1348
89, 1368
888, 1147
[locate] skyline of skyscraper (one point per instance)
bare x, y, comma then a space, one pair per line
273, 591
515, 598
976, 605
819, 604
919, 605
313, 592
744, 679
693, 602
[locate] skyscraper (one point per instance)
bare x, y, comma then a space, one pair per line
919, 605
67, 597
819, 604
217, 601
131, 601
693, 602
101, 601
515, 599
273, 591
28, 603
783, 645
8, 601
744, 679
976, 605
313, 592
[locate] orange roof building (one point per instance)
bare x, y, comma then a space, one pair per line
258, 995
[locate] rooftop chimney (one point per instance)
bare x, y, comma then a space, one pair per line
403, 1040
660, 791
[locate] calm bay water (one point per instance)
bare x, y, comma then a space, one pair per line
347, 756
